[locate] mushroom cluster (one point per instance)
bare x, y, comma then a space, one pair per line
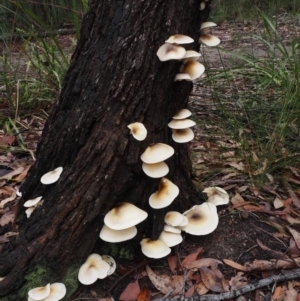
153, 160
169, 237
50, 292
119, 223
96, 267
180, 126
32, 204
205, 37
171, 50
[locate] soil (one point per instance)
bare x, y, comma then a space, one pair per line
241, 230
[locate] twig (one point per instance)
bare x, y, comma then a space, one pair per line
233, 294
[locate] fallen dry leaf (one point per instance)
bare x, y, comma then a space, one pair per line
201, 289
165, 283
23, 175
7, 200
7, 140
191, 257
13, 173
211, 280
238, 281
235, 265
7, 218
273, 253
144, 295
189, 293
203, 262
131, 292
290, 294
296, 236
172, 262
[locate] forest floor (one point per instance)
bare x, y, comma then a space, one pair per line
258, 235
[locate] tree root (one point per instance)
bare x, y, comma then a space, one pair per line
233, 294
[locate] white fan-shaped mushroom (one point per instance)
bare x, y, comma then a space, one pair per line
51, 176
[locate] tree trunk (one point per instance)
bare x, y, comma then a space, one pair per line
115, 78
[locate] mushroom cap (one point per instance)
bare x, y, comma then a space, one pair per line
173, 218
39, 293
51, 176
184, 222
202, 6
171, 229
165, 195
57, 292
183, 135
92, 269
193, 68
191, 54
124, 215
32, 202
138, 131
217, 196
29, 211
182, 114
209, 40
170, 52
202, 219
112, 264
182, 76
110, 235
179, 124
179, 39
157, 152
207, 25
170, 239
154, 248
156, 170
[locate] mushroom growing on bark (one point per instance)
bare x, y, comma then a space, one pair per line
124, 215
202, 219
165, 195
51, 176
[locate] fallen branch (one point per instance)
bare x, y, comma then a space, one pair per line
233, 294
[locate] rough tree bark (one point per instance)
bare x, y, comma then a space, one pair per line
115, 78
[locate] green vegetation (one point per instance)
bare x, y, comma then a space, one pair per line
260, 109
230, 10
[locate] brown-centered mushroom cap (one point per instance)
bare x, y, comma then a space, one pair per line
217, 195
165, 195
168, 52
124, 215
157, 152
156, 170
202, 219
94, 268
154, 248
193, 68
138, 131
